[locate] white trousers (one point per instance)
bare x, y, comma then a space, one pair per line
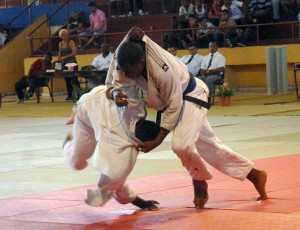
196, 144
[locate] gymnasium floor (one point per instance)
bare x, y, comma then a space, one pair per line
38, 191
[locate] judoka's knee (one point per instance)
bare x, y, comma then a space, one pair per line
181, 148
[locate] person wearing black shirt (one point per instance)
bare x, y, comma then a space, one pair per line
75, 23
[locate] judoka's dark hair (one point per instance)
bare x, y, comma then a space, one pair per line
130, 52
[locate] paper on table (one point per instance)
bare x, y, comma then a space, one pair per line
50, 70
70, 64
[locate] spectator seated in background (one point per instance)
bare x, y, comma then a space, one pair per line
284, 10
200, 9
75, 23
173, 51
226, 29
172, 38
100, 62
205, 33
115, 11
140, 6
212, 68
261, 11
3, 35
277, 6
193, 60
97, 26
32, 80
214, 12
188, 36
234, 12
290, 8
185, 10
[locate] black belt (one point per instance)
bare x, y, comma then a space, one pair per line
191, 86
197, 101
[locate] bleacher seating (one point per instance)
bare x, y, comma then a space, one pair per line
156, 21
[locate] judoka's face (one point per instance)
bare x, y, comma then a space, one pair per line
133, 71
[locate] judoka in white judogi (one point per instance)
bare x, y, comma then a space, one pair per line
103, 134
193, 140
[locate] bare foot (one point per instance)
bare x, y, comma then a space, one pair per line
261, 185
201, 195
70, 122
200, 202
259, 179
71, 119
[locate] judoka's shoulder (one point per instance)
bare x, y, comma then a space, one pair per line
96, 92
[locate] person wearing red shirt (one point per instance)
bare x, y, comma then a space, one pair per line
32, 80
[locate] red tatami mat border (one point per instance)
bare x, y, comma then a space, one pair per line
231, 204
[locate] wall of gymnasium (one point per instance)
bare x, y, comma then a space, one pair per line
13, 54
25, 19
245, 67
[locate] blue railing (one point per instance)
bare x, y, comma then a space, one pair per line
27, 9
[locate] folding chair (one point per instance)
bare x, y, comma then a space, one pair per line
45, 83
216, 83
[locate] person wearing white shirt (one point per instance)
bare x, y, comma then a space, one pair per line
100, 62
205, 33
235, 12
193, 60
185, 10
200, 9
212, 67
3, 35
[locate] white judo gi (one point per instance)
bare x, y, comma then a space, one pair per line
105, 133
194, 141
